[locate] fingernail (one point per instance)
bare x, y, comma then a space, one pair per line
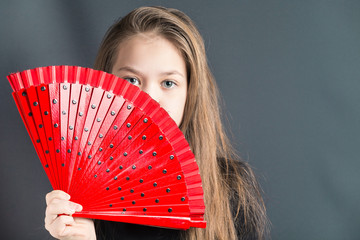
78, 208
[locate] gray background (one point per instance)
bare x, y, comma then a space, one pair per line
289, 75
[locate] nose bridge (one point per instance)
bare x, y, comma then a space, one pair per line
151, 88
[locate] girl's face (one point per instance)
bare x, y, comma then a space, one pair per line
154, 65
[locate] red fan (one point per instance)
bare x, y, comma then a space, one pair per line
110, 146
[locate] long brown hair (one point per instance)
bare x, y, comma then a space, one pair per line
226, 182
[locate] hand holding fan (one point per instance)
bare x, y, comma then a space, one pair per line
110, 146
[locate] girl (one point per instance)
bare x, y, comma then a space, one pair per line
161, 51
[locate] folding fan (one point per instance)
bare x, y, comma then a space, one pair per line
110, 146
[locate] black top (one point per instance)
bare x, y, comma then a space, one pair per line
114, 230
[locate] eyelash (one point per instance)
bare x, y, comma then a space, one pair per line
128, 79
162, 83
168, 81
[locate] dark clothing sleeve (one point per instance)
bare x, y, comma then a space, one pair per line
243, 232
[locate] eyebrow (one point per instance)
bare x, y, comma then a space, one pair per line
126, 68
130, 69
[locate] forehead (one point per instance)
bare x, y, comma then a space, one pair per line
150, 51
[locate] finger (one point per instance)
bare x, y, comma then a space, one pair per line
58, 227
57, 207
83, 228
71, 231
56, 194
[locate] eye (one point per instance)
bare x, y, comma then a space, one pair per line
168, 84
132, 80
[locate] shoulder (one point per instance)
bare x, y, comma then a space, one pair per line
245, 199
232, 169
